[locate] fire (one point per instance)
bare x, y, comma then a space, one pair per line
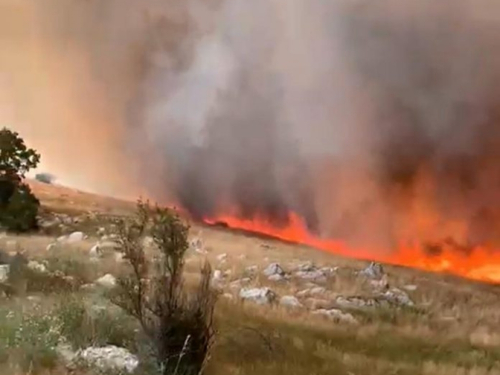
479, 263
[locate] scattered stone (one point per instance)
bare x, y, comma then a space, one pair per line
356, 302
107, 281
274, 269
119, 257
36, 266
62, 238
108, 244
329, 271
373, 271
109, 358
76, 237
4, 273
398, 297
337, 316
315, 275
317, 290
410, 288
217, 277
290, 301
381, 284
148, 241
261, 296
95, 251
276, 277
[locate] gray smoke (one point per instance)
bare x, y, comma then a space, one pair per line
375, 121
371, 120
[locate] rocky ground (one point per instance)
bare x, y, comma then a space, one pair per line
284, 309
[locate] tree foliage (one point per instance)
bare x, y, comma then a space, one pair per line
18, 205
178, 324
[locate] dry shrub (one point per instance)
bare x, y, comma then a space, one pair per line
178, 324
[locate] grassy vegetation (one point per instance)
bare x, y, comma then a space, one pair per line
452, 330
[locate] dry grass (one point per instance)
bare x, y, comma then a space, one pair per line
452, 330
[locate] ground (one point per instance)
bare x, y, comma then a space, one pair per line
443, 325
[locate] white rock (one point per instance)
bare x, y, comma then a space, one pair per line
4, 272
410, 288
95, 251
147, 241
36, 266
76, 237
354, 302
107, 281
383, 283
119, 257
317, 290
109, 358
337, 315
290, 301
261, 296
315, 275
218, 276
398, 297
373, 271
276, 277
62, 239
274, 269
50, 247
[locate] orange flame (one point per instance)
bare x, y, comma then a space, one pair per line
479, 264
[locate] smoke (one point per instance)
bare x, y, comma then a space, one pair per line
374, 121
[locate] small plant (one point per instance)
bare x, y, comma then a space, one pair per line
179, 325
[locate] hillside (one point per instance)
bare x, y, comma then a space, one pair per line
329, 315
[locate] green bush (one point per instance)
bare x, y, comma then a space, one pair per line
20, 213
18, 205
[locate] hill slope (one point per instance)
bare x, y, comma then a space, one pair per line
387, 320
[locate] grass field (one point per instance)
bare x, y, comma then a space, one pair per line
452, 327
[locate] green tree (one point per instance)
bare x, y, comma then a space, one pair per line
18, 205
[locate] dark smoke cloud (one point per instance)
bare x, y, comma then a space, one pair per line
375, 121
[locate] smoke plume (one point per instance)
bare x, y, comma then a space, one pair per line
375, 121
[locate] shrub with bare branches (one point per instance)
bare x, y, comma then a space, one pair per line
178, 323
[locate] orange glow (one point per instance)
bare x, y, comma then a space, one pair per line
479, 264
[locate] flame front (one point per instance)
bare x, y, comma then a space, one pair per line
478, 263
